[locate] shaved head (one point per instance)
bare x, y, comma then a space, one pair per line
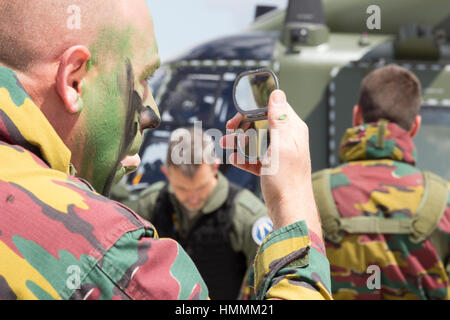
39, 30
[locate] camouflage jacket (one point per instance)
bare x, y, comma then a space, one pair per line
378, 178
61, 240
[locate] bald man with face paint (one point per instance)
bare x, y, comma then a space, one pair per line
74, 102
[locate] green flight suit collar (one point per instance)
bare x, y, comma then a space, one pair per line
218, 196
22, 123
215, 200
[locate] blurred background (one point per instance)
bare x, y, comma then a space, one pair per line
320, 52
180, 24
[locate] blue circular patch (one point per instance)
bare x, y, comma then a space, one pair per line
261, 229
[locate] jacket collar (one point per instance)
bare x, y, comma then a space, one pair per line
380, 140
23, 124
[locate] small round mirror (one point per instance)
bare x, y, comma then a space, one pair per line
252, 90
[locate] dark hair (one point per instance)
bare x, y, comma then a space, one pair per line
392, 93
188, 149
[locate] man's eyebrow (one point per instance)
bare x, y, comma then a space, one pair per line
150, 69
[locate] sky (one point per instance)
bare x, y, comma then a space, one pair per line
182, 24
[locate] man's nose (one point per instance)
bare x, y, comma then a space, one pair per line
149, 119
193, 197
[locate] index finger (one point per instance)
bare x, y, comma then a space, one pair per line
233, 123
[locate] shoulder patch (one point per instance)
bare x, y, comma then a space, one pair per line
249, 201
261, 229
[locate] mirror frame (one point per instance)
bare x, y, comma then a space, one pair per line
257, 113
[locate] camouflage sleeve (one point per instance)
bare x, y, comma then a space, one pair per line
140, 267
247, 291
444, 228
291, 264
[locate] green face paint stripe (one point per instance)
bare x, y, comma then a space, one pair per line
130, 126
102, 120
150, 70
112, 44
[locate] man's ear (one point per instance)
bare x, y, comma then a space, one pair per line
71, 71
357, 116
416, 126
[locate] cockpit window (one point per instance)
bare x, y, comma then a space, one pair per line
191, 98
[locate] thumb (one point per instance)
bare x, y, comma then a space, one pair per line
278, 108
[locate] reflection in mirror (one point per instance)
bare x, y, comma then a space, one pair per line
253, 139
252, 91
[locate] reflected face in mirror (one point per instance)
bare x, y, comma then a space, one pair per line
252, 90
253, 139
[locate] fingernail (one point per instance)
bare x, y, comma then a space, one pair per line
279, 97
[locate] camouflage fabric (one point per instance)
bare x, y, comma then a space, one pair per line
249, 288
61, 240
247, 291
292, 264
378, 179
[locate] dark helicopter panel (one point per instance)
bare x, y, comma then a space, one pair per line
250, 46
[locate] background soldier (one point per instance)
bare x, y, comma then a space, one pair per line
218, 223
379, 209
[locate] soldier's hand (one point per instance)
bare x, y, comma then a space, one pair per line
285, 170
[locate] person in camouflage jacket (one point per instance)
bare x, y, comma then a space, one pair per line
65, 108
377, 192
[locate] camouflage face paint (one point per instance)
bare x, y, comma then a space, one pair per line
134, 107
110, 118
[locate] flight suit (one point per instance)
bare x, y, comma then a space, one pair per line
222, 238
386, 222
59, 239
